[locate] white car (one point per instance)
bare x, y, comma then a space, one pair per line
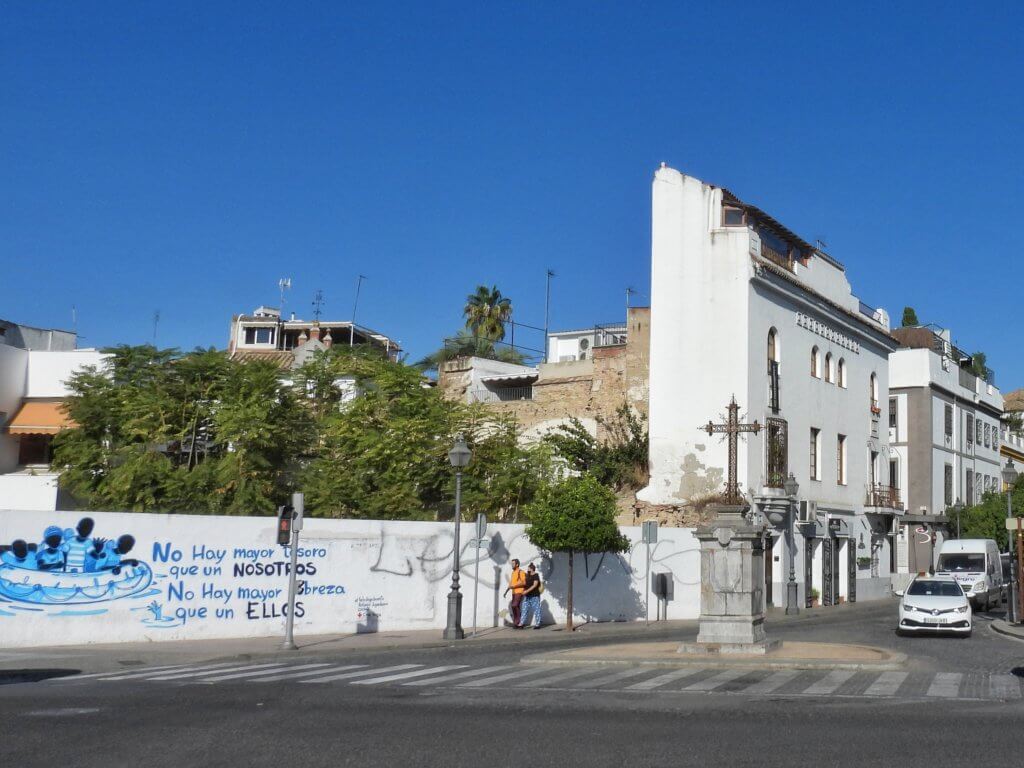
935, 604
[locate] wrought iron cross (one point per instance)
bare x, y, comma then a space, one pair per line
732, 429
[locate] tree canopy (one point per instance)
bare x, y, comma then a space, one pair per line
909, 318
486, 312
987, 519
619, 461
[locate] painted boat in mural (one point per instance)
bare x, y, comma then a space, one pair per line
27, 585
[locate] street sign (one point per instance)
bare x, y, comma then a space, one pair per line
299, 504
481, 526
649, 531
1014, 523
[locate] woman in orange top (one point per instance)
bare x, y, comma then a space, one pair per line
517, 583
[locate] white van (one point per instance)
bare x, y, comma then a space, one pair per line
976, 567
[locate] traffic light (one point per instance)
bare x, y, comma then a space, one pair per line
285, 514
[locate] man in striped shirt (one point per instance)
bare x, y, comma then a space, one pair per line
77, 547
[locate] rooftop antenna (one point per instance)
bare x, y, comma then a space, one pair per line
822, 245
355, 305
74, 319
630, 290
547, 308
156, 322
318, 300
284, 284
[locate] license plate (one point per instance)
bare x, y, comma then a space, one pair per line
935, 621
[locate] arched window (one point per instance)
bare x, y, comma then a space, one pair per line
773, 348
815, 363
841, 373
773, 371
828, 367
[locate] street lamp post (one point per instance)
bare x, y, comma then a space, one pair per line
459, 457
958, 508
792, 488
1009, 478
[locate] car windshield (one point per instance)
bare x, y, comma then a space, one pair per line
935, 589
962, 561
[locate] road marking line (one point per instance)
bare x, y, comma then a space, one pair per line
773, 682
886, 684
946, 685
347, 675
239, 675
209, 670
1004, 686
829, 682
522, 672
404, 675
665, 679
175, 670
546, 681
119, 672
710, 683
458, 676
290, 675
614, 677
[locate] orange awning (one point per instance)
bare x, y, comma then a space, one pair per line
40, 417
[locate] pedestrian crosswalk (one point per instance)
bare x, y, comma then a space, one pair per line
624, 679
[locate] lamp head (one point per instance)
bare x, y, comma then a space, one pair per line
460, 454
1010, 473
790, 485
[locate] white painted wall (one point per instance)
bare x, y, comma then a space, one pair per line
13, 383
30, 491
208, 581
48, 372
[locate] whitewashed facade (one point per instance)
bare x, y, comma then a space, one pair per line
741, 306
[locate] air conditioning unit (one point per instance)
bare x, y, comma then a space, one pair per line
808, 511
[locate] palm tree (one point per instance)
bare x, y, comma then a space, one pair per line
464, 344
486, 312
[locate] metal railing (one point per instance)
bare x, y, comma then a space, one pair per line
775, 257
885, 496
514, 393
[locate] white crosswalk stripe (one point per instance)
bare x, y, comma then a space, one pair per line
241, 675
292, 674
363, 673
887, 684
945, 685
503, 678
771, 683
208, 670
458, 676
406, 675
546, 682
829, 682
710, 683
117, 672
664, 679
614, 677
151, 673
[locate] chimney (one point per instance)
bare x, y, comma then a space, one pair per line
314, 332
293, 317
303, 338
328, 339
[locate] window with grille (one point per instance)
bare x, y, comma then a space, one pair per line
970, 429
948, 485
815, 437
978, 435
841, 459
970, 487
892, 412
949, 420
988, 435
776, 463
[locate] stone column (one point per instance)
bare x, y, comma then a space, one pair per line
731, 586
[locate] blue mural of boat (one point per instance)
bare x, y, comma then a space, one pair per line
28, 585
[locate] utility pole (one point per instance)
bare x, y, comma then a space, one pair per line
355, 305
156, 322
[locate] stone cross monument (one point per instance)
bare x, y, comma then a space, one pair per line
731, 565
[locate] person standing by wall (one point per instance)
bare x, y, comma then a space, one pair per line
531, 598
516, 583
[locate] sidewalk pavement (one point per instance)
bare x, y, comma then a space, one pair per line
105, 657
1010, 630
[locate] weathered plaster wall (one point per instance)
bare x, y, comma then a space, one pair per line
222, 577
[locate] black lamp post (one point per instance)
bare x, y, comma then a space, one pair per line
1009, 478
458, 457
791, 488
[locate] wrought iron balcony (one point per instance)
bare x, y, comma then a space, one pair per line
883, 496
783, 260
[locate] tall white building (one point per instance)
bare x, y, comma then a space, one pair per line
741, 306
944, 428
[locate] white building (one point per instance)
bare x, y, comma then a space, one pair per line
35, 363
569, 346
741, 306
944, 427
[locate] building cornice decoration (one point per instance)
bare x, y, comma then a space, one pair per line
827, 332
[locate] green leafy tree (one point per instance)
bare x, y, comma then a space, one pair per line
987, 519
486, 313
909, 318
619, 461
575, 516
979, 365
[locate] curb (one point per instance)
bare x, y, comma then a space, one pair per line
1000, 627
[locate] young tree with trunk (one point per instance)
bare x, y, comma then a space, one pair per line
575, 516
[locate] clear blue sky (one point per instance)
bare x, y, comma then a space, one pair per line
183, 157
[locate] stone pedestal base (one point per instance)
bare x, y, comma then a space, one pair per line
731, 586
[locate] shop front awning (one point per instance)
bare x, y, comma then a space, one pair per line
39, 417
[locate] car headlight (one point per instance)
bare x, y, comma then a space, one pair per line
908, 607
963, 609
979, 586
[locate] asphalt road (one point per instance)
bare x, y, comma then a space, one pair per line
235, 712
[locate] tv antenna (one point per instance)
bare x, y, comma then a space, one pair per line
156, 322
318, 301
355, 305
284, 284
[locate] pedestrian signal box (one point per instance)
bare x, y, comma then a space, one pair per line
285, 514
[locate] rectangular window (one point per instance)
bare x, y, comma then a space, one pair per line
259, 335
988, 435
970, 429
776, 463
773, 386
892, 412
815, 436
948, 486
733, 217
841, 459
978, 435
969, 487
894, 474
949, 420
